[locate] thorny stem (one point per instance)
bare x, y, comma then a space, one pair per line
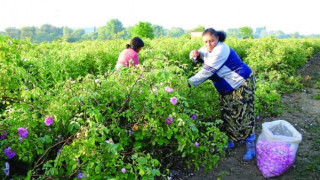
128, 97
64, 141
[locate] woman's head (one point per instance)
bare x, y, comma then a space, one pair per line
211, 38
136, 44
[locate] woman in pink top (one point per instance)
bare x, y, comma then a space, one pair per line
129, 56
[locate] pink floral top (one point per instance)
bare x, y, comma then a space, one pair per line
128, 55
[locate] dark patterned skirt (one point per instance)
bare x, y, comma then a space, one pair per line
237, 111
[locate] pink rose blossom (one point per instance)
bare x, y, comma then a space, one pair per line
196, 144
169, 120
3, 134
168, 89
173, 100
9, 153
80, 176
123, 170
48, 121
23, 132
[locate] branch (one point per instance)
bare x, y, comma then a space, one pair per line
128, 97
48, 177
64, 141
20, 100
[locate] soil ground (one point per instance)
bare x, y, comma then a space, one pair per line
303, 111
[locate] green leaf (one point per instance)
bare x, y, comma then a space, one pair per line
98, 169
47, 139
73, 127
74, 166
169, 133
137, 145
29, 175
141, 172
142, 161
25, 159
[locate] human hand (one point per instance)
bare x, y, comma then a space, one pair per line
194, 54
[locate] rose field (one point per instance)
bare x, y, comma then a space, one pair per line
66, 114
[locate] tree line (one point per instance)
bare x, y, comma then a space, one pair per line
260, 32
114, 29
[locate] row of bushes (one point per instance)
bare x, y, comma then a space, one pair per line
66, 114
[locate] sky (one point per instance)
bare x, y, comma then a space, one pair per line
290, 16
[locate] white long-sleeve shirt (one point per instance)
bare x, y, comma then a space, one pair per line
224, 67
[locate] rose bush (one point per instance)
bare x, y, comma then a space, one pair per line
65, 113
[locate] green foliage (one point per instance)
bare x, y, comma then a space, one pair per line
105, 120
246, 32
143, 30
317, 96
72, 36
113, 27
112, 30
158, 31
176, 32
28, 32
13, 32
199, 28
47, 33
115, 30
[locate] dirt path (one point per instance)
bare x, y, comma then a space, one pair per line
303, 112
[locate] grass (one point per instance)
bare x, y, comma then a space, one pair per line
318, 85
316, 97
309, 167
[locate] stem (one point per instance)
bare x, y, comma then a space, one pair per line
128, 97
49, 177
64, 141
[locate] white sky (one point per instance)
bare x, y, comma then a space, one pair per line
287, 15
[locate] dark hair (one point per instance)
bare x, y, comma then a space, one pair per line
135, 43
222, 35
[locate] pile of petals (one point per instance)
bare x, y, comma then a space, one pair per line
274, 158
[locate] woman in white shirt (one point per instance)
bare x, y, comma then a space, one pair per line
235, 83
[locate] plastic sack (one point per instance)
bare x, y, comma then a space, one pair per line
276, 147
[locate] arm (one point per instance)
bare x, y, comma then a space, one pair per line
213, 63
200, 77
196, 56
198, 59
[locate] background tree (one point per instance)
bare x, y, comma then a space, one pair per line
102, 35
28, 32
176, 32
47, 33
114, 29
310, 36
142, 29
158, 31
279, 34
199, 28
66, 31
296, 35
233, 32
90, 36
13, 32
2, 33
246, 32
260, 32
128, 34
77, 34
